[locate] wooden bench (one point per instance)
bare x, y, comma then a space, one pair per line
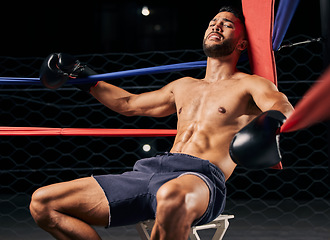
221, 224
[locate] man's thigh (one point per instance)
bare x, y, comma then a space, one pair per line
82, 198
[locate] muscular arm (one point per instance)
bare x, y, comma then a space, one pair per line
158, 103
267, 97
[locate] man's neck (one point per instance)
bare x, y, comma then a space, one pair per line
218, 69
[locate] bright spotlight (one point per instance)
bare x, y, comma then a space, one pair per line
145, 11
146, 147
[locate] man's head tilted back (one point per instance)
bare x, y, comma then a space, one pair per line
225, 34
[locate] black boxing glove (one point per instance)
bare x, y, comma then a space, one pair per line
57, 68
257, 144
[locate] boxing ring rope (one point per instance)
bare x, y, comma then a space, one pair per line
313, 108
95, 132
42, 131
112, 75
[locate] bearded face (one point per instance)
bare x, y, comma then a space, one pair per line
220, 48
224, 35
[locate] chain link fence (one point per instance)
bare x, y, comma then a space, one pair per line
290, 199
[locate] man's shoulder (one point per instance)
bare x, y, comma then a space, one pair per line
178, 84
184, 81
254, 79
247, 76
257, 84
188, 80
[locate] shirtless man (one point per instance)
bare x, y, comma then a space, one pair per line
187, 185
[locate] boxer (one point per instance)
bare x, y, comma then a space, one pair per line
218, 117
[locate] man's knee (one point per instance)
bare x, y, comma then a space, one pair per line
171, 200
40, 206
186, 198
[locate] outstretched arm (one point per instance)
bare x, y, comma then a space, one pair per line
157, 103
57, 68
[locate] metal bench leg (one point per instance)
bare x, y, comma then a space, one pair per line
142, 230
193, 235
221, 230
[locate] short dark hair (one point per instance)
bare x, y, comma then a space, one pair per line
238, 13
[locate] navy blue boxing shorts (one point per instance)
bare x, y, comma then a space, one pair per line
132, 195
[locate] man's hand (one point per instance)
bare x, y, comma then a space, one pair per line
57, 68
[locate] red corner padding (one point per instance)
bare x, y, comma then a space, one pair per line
259, 21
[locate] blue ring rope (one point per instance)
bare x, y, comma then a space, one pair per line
109, 76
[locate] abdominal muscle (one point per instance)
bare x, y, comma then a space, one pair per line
206, 143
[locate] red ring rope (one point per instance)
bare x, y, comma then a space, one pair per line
96, 132
313, 108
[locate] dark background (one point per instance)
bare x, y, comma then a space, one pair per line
79, 27
294, 200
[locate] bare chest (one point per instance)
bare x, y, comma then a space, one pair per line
211, 102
